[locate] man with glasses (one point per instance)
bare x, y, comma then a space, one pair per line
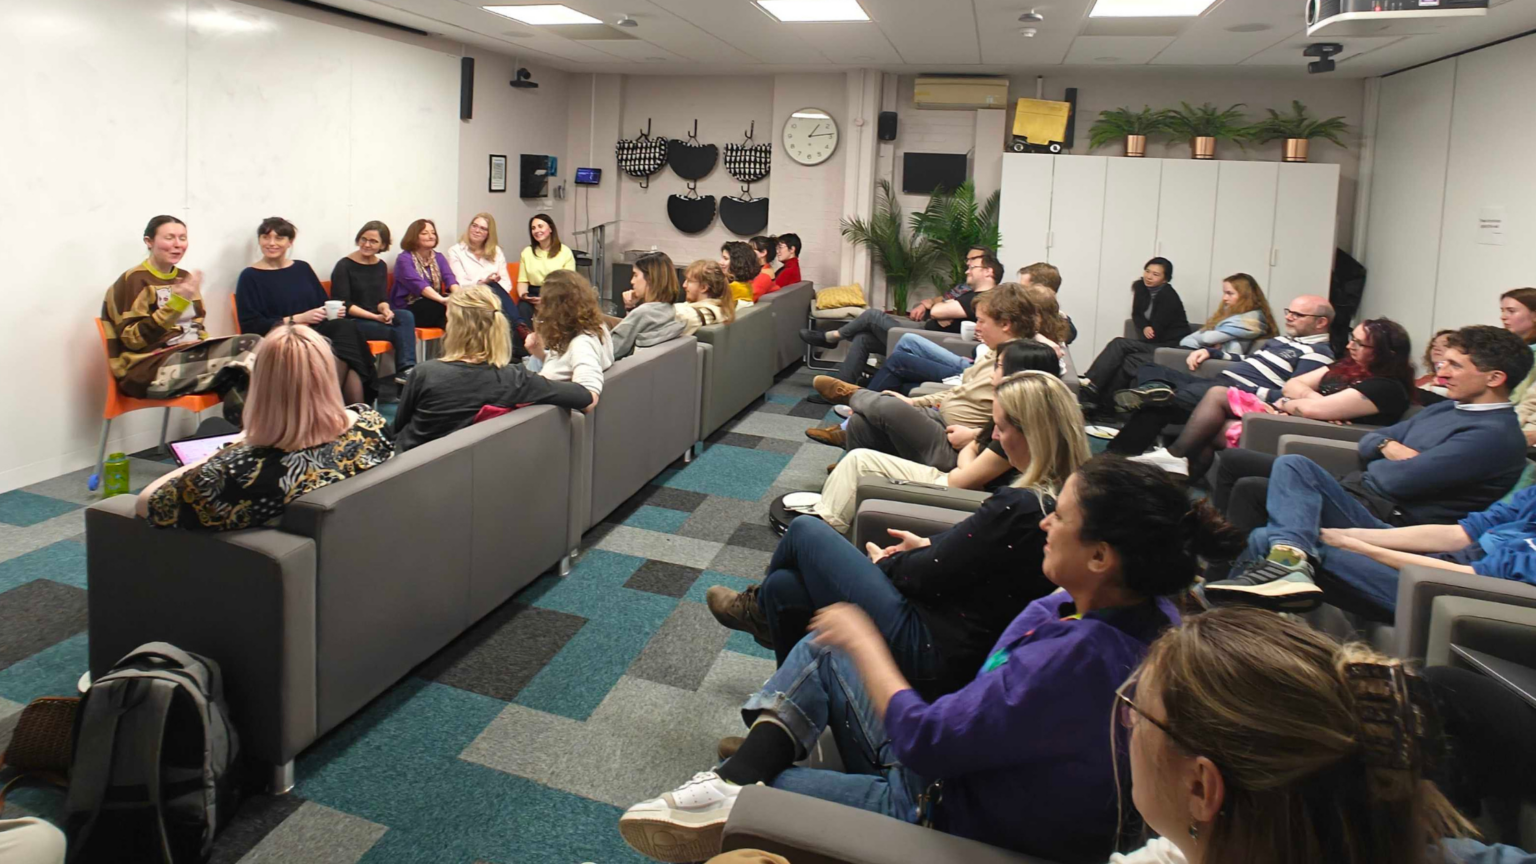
867, 334
924, 308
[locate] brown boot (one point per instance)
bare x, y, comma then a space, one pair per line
738, 610
727, 747
831, 435
834, 390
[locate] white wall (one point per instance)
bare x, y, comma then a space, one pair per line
220, 113
1453, 141
809, 199
512, 122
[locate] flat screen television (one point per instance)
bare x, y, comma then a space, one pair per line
589, 176
922, 173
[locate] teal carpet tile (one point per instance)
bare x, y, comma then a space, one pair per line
63, 562
25, 509
656, 519
730, 472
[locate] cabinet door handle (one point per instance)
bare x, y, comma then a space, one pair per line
1274, 257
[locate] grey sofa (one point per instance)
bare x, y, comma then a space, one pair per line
791, 308
358, 583
734, 359
647, 417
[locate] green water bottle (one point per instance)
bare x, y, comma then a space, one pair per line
114, 479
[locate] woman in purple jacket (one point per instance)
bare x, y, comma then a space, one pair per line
423, 279
1017, 758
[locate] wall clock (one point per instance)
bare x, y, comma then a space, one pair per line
810, 136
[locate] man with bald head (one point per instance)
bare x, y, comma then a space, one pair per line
1163, 395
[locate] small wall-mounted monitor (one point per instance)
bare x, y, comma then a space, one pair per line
922, 173
589, 176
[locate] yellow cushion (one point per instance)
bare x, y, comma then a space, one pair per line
839, 296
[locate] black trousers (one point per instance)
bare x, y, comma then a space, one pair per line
1115, 367
1492, 737
429, 312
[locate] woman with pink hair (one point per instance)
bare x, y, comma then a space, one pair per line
298, 437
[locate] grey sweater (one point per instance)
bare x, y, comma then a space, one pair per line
646, 325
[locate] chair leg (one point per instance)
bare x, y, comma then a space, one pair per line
688, 455
101, 457
165, 423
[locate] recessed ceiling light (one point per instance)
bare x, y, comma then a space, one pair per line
1149, 8
543, 15
1249, 28
796, 11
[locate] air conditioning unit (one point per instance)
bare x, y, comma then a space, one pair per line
960, 93
1344, 18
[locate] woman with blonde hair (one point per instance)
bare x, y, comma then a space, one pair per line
941, 601
476, 370
651, 320
298, 438
1260, 740
569, 341
708, 298
1242, 318
477, 259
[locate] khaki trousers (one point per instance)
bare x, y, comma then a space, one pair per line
840, 493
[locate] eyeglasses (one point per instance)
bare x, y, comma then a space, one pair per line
1128, 712
1292, 313
1356, 343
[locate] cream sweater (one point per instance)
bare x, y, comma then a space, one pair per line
582, 361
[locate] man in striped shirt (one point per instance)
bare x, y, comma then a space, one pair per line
1164, 395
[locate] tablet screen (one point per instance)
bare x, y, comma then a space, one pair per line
189, 450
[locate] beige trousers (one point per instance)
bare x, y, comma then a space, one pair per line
840, 493
30, 841
747, 856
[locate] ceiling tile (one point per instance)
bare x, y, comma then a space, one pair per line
1211, 41
928, 32
740, 24
1116, 50
1288, 52
1001, 43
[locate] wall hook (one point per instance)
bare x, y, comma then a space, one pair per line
752, 130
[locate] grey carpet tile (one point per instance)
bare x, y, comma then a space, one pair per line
255, 819
501, 654
807, 469
672, 499
72, 486
769, 426
37, 615
759, 536
736, 439
773, 408
798, 384
740, 561
719, 517
597, 533
682, 651
659, 547
316, 833
776, 445
668, 580
809, 410
15, 540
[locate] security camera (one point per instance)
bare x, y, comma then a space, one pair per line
1325, 51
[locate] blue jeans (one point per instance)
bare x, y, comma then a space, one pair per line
509, 308
1302, 499
915, 361
814, 566
402, 334
819, 688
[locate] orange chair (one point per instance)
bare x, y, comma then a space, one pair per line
375, 346
119, 404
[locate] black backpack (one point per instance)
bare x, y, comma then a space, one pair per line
154, 775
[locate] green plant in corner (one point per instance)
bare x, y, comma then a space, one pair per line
1298, 124
1118, 123
905, 258
954, 223
1208, 121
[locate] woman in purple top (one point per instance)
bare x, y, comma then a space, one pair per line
423, 279
1017, 758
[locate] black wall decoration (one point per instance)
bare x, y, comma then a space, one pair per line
690, 159
691, 213
749, 163
642, 155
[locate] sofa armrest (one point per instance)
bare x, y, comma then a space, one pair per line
1261, 432
931, 494
1336, 457
938, 337
1418, 586
1498, 629
1177, 358
811, 831
876, 516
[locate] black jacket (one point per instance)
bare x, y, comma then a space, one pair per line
442, 397
1168, 321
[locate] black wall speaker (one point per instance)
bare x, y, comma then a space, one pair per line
887, 125
466, 88
1071, 118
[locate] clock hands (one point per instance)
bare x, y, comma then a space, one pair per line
822, 135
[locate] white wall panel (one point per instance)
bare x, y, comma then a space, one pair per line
1302, 261
1245, 230
1131, 187
1402, 250
1077, 222
1024, 211
1186, 227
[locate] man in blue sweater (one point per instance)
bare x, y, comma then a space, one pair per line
1164, 395
1450, 459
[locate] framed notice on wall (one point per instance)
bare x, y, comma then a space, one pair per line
498, 173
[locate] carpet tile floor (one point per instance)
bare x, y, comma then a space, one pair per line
523, 740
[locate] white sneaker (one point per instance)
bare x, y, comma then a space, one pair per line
1165, 460
682, 825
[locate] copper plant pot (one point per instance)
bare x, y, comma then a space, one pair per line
1296, 149
1203, 147
1136, 145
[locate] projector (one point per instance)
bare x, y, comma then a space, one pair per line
1342, 18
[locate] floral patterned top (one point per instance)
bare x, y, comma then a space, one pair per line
245, 487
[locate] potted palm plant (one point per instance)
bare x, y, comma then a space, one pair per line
1297, 128
954, 222
1133, 126
905, 257
1202, 127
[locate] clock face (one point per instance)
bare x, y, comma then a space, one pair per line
810, 136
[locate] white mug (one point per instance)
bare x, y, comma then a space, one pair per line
967, 329
333, 309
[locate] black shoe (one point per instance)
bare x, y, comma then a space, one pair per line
1151, 393
815, 338
1268, 585
404, 375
